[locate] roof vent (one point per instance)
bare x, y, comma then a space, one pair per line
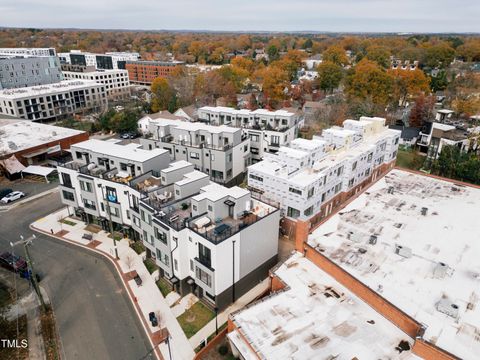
406, 252
440, 270
372, 240
447, 307
424, 211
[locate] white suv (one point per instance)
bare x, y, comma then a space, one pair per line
15, 195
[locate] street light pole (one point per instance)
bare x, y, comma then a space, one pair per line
216, 320
110, 223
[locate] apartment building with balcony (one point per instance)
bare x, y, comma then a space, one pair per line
311, 178
267, 130
222, 152
107, 61
144, 72
117, 84
53, 101
204, 236
105, 175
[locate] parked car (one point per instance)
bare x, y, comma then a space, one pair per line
13, 263
129, 135
5, 192
14, 195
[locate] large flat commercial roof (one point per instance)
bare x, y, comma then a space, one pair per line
415, 240
315, 317
132, 151
38, 90
18, 135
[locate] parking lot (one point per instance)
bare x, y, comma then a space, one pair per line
29, 187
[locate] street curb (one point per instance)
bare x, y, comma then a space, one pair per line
4, 208
157, 352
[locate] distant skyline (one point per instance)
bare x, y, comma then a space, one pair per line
430, 16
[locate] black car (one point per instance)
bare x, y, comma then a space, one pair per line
4, 192
13, 263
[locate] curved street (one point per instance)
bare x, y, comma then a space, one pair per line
95, 317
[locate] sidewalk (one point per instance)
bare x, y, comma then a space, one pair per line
247, 298
146, 298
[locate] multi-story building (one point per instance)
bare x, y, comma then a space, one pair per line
117, 84
144, 72
204, 237
101, 174
222, 152
108, 61
267, 130
53, 101
312, 177
18, 71
28, 51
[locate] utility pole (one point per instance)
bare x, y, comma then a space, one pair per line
32, 273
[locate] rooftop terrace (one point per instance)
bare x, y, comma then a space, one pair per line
415, 240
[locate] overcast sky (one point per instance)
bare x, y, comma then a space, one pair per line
247, 15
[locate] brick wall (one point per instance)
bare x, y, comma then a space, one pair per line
428, 351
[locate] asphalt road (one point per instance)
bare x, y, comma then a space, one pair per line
95, 317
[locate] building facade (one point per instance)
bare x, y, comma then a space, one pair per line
222, 152
144, 72
267, 130
28, 51
53, 101
18, 71
312, 177
117, 84
108, 61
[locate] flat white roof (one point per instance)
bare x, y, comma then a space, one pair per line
60, 87
218, 109
18, 135
449, 233
216, 192
315, 317
132, 151
308, 144
194, 126
191, 176
443, 127
176, 165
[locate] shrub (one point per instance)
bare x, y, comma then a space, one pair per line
223, 350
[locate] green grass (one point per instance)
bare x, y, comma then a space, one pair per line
138, 247
165, 288
150, 265
195, 318
68, 222
409, 159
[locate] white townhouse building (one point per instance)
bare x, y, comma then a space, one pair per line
312, 177
222, 152
267, 130
107, 61
117, 84
52, 101
29, 51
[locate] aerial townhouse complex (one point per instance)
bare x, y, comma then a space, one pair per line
144, 72
267, 130
28, 70
53, 101
107, 61
222, 152
117, 84
203, 236
310, 178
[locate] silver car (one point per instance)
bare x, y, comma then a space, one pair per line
15, 195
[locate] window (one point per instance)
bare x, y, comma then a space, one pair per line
295, 191
78, 154
67, 195
194, 155
123, 166
255, 177
191, 265
160, 235
340, 171
396, 141
308, 211
89, 204
111, 194
354, 166
350, 182
367, 172
254, 137
142, 215
204, 277
66, 180
194, 207
210, 208
369, 159
175, 264
85, 186
275, 140
230, 157
204, 255
310, 192
293, 213
324, 195
114, 211
338, 187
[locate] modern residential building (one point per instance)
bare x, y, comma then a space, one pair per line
144, 72
101, 175
408, 248
18, 71
267, 130
204, 237
312, 62
117, 84
28, 51
222, 152
311, 178
107, 61
53, 101
310, 315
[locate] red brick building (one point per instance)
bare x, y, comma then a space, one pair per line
144, 72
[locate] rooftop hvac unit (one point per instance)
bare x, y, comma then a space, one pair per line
355, 237
440, 270
372, 240
391, 190
406, 252
424, 211
447, 307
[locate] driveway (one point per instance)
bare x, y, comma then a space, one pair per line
94, 315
